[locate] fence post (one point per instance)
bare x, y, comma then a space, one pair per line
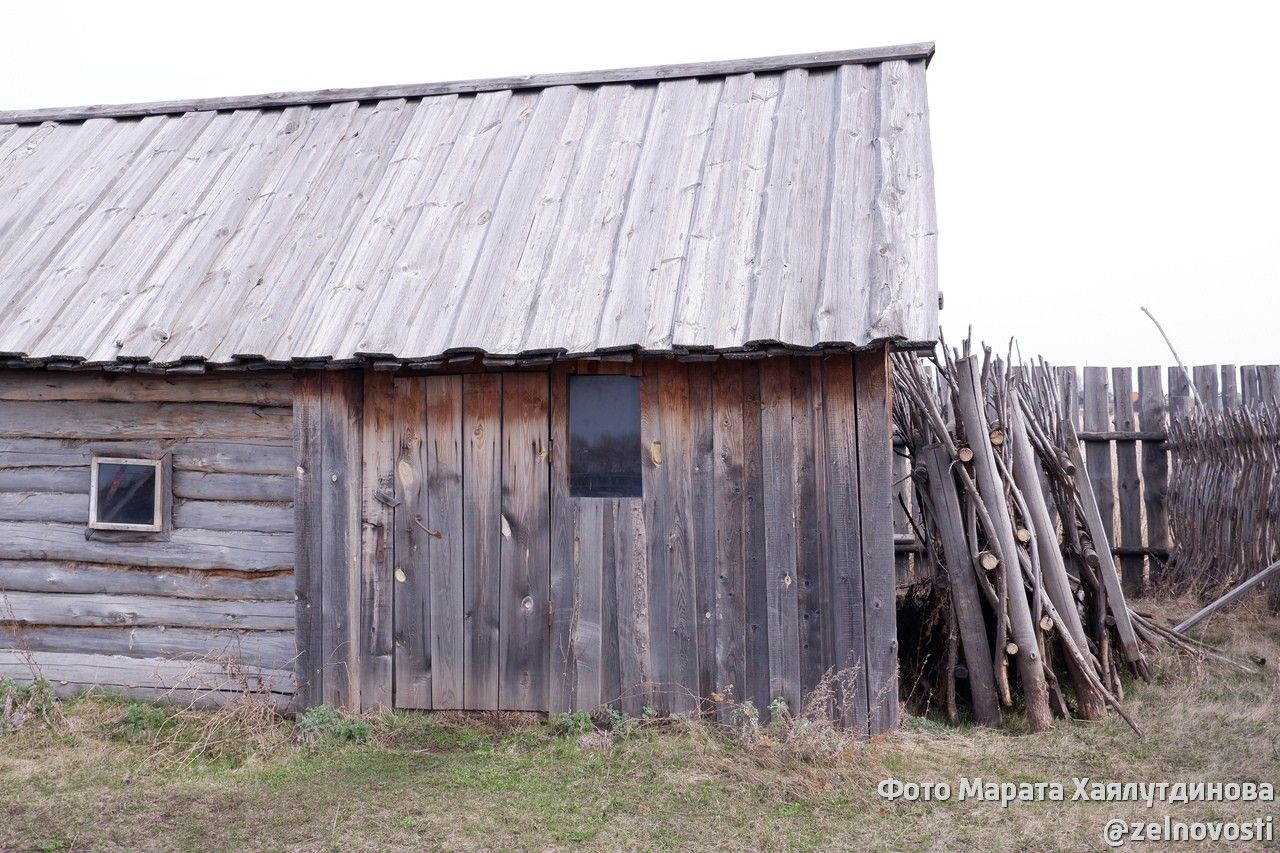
1128, 486
1206, 377
1155, 466
1230, 398
1249, 385
1097, 418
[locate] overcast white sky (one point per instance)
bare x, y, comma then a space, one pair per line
1091, 157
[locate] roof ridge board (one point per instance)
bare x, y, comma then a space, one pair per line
653, 73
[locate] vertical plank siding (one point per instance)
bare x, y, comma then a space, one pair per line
413, 625
377, 544
191, 611
873, 387
341, 466
482, 529
524, 556
723, 580
441, 529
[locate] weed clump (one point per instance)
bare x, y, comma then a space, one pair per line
325, 724
21, 704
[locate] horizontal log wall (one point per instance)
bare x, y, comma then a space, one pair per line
198, 615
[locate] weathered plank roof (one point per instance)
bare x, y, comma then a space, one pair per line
782, 201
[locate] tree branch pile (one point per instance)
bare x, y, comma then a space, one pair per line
1036, 611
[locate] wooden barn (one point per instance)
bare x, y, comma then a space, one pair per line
537, 393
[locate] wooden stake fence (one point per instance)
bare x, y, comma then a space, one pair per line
1125, 424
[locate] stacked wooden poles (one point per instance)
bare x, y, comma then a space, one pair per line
1053, 568
1005, 545
1012, 527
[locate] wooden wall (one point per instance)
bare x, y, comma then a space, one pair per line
149, 618
462, 575
760, 557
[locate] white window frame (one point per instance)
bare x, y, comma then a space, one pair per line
157, 524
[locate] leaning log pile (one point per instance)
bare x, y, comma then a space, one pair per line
1034, 605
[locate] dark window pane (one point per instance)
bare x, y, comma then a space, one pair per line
126, 493
604, 437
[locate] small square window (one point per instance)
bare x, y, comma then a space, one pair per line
604, 437
125, 494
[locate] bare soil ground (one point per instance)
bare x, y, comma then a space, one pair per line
114, 776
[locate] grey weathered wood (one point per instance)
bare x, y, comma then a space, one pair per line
1022, 631
256, 389
444, 537
1128, 486
1269, 384
234, 515
122, 671
229, 239
482, 527
1206, 380
340, 432
93, 420
759, 65
1097, 417
730, 606
1180, 401
52, 608
659, 522
45, 480
1230, 396
1249, 393
185, 549
963, 584
269, 649
308, 521
213, 457
1057, 584
1106, 564
756, 656
45, 506
629, 545
844, 567
213, 698
567, 561
197, 485
413, 578
702, 522
1155, 461
675, 420
82, 578
377, 542
875, 451
807, 432
782, 583
1069, 389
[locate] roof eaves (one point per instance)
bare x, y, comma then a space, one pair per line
654, 73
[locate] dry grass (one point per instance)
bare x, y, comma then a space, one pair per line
465, 782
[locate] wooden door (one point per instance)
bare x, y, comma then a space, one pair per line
472, 541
